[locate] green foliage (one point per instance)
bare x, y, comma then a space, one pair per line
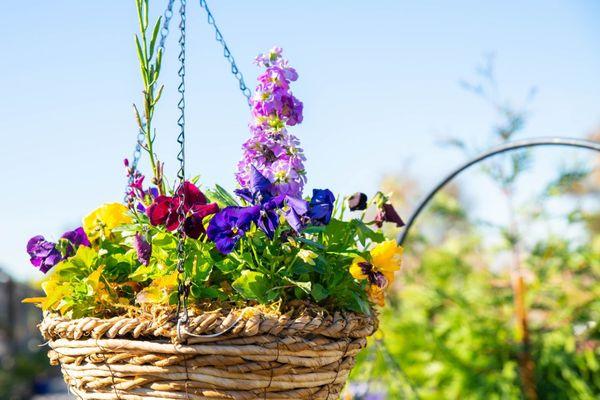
451, 330
311, 266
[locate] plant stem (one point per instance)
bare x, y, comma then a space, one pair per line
526, 363
150, 62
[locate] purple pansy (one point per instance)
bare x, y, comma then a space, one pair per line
296, 212
44, 254
260, 193
77, 237
320, 207
229, 225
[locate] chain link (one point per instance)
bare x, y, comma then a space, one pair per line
137, 152
227, 53
182, 287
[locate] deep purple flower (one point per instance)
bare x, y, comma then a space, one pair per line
387, 213
44, 254
320, 207
268, 219
143, 249
259, 189
229, 225
76, 238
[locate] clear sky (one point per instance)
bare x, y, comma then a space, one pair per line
379, 80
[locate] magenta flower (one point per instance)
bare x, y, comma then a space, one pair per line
44, 254
165, 210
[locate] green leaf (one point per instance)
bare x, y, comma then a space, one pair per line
142, 59
222, 196
318, 292
252, 285
158, 94
154, 36
304, 286
84, 258
365, 232
164, 240
358, 304
314, 229
143, 273
227, 265
201, 292
310, 243
200, 268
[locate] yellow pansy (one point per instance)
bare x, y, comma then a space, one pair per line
385, 259
102, 220
387, 256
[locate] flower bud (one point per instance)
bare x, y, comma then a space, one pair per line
358, 201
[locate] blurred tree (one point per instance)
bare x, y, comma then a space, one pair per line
462, 325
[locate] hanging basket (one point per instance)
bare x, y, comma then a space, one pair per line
236, 354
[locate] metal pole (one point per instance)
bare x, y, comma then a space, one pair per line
510, 146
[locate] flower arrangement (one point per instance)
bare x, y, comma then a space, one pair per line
264, 244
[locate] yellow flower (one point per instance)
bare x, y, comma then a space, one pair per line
102, 220
376, 295
387, 256
379, 271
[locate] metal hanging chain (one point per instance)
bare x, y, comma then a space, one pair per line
182, 286
137, 152
227, 53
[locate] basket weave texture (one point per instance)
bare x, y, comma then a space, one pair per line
224, 354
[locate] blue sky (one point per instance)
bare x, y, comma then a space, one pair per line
379, 81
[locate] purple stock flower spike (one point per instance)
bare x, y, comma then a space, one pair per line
272, 151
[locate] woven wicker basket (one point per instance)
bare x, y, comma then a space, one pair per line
237, 354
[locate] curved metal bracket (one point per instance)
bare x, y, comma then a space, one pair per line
519, 144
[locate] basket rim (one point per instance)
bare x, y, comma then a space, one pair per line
160, 323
